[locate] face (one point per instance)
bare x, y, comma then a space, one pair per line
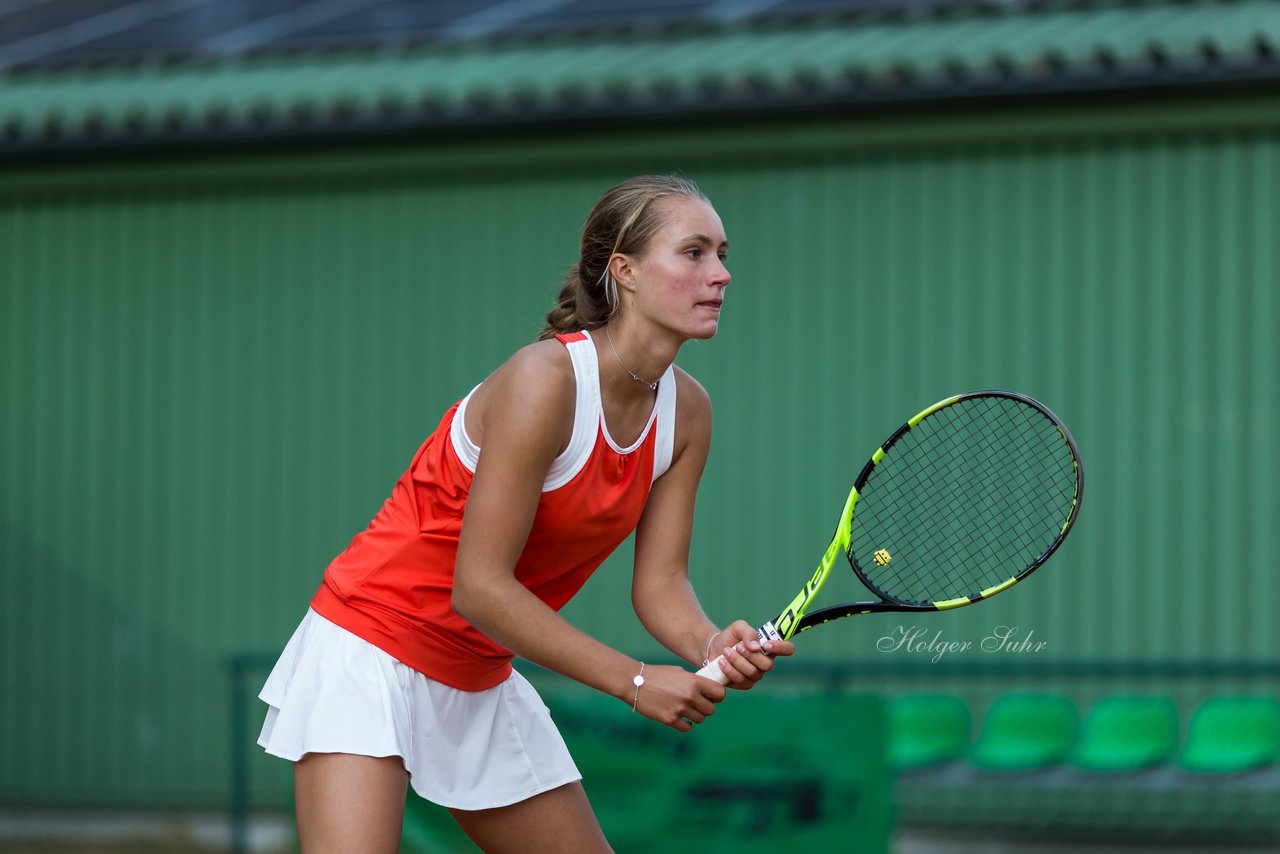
680, 279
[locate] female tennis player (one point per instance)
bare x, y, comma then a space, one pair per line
400, 673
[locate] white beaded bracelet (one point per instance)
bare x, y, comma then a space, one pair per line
637, 681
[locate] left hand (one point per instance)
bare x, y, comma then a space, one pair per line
743, 657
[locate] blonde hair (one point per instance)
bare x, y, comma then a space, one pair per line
623, 220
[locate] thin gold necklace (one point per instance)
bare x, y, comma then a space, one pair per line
653, 386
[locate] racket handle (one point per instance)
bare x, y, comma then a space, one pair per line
713, 672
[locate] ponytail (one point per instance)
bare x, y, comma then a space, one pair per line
576, 308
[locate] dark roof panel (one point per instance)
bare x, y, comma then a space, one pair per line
58, 32
23, 20
418, 86
174, 29
394, 20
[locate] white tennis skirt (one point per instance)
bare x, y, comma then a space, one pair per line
333, 692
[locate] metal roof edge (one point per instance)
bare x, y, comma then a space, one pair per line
957, 124
426, 121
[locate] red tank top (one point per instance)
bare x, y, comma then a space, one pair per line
393, 583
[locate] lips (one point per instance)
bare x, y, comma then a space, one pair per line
713, 304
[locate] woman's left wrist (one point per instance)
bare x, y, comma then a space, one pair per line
706, 654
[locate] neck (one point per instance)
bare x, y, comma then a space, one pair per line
638, 362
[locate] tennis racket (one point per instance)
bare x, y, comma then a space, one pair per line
962, 502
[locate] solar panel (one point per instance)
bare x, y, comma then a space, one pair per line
34, 32
389, 20
175, 28
24, 20
605, 13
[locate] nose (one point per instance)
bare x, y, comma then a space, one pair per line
722, 276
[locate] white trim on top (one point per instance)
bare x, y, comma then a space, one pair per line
588, 418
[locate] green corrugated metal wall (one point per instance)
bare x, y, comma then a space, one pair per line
215, 368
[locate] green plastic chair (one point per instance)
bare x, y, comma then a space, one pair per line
1023, 732
926, 730
1229, 735
1127, 734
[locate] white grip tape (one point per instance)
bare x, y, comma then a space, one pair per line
713, 672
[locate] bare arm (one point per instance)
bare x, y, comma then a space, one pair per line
524, 421
660, 590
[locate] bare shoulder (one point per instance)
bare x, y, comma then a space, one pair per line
693, 411
690, 395
534, 389
544, 365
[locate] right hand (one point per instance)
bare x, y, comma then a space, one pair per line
676, 697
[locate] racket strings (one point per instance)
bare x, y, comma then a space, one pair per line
1006, 463
970, 497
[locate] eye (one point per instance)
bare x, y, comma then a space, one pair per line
694, 253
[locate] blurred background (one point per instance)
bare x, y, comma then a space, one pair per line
251, 251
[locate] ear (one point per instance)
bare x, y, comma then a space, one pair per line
623, 271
